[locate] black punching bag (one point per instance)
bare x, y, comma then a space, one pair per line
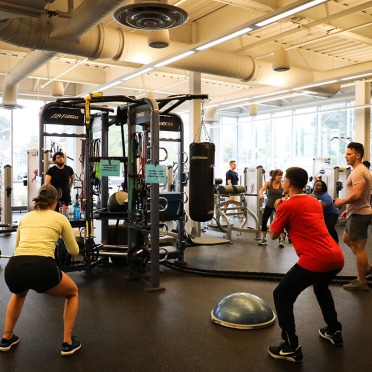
201, 186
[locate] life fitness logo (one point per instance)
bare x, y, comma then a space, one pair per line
199, 157
65, 116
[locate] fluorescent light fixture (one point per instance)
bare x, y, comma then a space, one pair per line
110, 85
174, 59
224, 38
290, 12
315, 85
357, 76
138, 73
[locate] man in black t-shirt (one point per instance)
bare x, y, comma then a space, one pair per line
61, 176
232, 177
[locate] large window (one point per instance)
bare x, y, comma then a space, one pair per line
334, 129
306, 137
19, 132
286, 138
5, 136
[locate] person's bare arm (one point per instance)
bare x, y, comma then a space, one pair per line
356, 193
72, 178
262, 189
48, 179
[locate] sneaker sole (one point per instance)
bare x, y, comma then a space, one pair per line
326, 337
7, 348
66, 353
363, 289
288, 358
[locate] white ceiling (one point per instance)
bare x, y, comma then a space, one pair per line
331, 40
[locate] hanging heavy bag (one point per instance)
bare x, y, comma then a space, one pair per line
201, 187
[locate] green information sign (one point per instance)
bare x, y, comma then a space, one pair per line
110, 167
156, 173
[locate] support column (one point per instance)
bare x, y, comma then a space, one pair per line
194, 120
195, 104
363, 116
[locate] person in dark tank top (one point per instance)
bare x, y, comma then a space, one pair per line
274, 191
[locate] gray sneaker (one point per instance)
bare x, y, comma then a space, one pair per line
281, 243
262, 242
369, 272
355, 285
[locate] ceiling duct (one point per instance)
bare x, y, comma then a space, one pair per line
324, 91
10, 98
158, 39
252, 110
85, 16
94, 40
281, 61
211, 115
58, 90
151, 15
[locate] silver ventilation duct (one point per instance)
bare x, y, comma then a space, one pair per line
324, 91
46, 37
85, 17
151, 15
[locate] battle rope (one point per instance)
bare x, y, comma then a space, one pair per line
247, 275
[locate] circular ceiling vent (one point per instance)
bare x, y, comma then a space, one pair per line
151, 16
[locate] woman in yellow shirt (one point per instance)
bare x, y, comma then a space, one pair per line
33, 267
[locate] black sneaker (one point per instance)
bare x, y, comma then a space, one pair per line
6, 344
284, 351
335, 338
69, 349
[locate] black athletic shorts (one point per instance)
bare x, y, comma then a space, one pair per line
32, 272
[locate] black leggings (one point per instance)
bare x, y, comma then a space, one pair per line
330, 222
268, 211
294, 282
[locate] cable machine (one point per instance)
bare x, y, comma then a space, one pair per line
147, 208
71, 113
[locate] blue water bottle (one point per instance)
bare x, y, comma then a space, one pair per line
76, 212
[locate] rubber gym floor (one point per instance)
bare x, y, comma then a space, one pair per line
123, 327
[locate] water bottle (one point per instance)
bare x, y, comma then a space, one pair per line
76, 212
70, 212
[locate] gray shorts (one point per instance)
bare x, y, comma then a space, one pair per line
357, 226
